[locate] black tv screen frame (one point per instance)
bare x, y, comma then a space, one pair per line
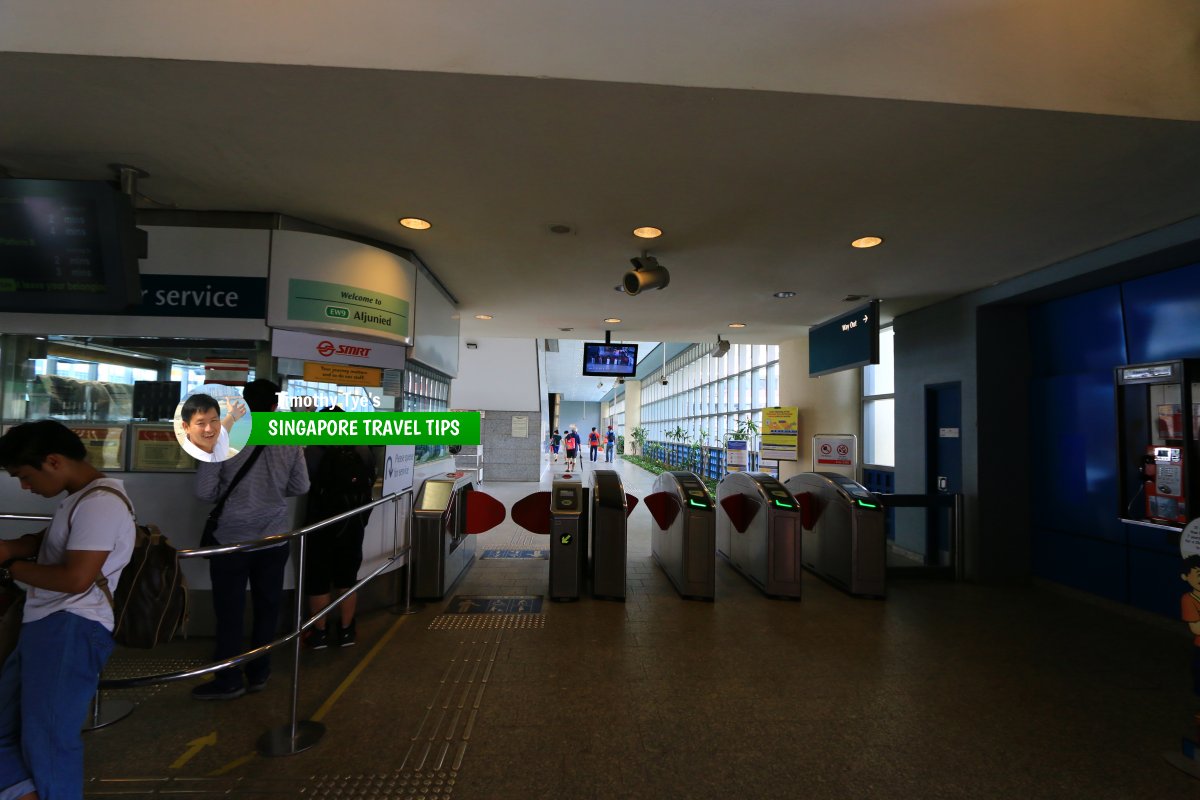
55, 235
624, 365
845, 342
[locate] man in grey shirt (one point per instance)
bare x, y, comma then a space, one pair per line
256, 507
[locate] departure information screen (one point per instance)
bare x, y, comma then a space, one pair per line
50, 244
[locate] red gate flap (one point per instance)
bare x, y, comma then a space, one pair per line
533, 513
630, 503
741, 510
809, 511
663, 507
484, 512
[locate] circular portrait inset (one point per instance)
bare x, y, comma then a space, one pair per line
212, 423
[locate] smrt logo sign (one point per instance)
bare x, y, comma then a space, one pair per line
326, 348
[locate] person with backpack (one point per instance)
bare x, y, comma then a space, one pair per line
610, 443
593, 444
341, 477
572, 443
50, 678
555, 443
250, 491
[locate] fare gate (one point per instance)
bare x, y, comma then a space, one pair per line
683, 539
758, 531
448, 510
844, 540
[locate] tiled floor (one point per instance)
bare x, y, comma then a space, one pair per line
941, 691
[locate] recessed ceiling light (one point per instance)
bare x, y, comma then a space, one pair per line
416, 223
647, 232
737, 324
613, 320
782, 295
483, 316
866, 241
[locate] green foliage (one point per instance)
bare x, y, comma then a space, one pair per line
744, 430
656, 467
639, 435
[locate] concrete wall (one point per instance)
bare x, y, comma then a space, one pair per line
509, 458
497, 375
828, 404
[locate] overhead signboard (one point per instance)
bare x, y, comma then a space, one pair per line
202, 296
336, 350
329, 284
845, 342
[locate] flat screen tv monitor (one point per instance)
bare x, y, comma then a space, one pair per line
845, 342
67, 246
609, 360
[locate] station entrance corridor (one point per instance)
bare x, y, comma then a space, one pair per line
941, 691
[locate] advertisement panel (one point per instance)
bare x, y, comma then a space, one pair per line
781, 434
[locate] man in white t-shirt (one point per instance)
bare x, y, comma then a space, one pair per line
206, 435
48, 681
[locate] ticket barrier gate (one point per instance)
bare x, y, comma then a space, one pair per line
561, 513
448, 510
683, 539
758, 531
610, 509
844, 540
568, 513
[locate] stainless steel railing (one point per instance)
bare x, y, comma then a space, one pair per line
297, 735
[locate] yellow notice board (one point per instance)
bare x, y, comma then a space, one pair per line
105, 445
781, 434
342, 374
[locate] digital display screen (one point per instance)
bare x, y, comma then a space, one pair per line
610, 360
845, 342
1151, 372
66, 246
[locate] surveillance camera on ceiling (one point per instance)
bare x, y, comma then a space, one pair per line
621, 380
664, 381
720, 349
647, 273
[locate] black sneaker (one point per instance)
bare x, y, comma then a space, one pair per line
256, 686
318, 639
346, 636
213, 690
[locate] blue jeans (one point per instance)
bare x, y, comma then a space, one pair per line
45, 689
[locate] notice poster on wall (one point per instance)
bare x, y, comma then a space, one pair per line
155, 449
104, 444
781, 434
520, 427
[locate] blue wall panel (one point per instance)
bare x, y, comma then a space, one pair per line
1073, 481
1092, 565
1081, 333
1154, 582
1163, 315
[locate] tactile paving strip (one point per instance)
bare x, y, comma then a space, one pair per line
400, 784
485, 622
525, 539
122, 666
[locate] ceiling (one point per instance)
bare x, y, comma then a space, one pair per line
761, 137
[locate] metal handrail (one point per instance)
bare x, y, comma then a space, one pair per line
296, 736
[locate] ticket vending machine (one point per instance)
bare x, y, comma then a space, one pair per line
758, 531
610, 507
1158, 420
448, 511
844, 540
683, 536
